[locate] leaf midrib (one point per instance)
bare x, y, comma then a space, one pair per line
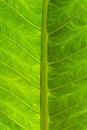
44, 70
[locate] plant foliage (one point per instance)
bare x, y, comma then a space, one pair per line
21, 40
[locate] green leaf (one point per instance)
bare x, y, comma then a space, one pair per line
43, 64
67, 58
20, 52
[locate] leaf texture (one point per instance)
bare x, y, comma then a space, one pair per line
67, 59
20, 54
66, 66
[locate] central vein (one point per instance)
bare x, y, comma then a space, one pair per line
44, 69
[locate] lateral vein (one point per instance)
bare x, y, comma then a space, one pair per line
13, 95
17, 44
13, 120
63, 25
18, 73
23, 17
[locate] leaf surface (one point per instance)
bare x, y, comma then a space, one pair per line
20, 52
46, 48
67, 58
